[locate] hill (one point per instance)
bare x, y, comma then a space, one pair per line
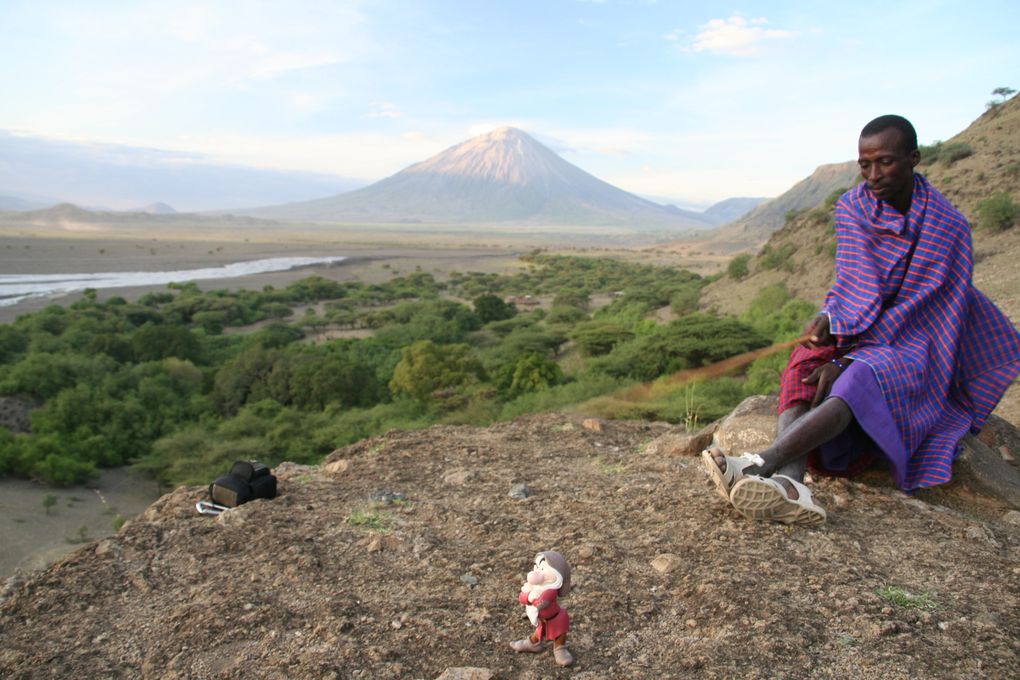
503, 176
67, 217
121, 177
756, 226
402, 556
733, 208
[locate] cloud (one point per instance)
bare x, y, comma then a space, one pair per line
272, 64
383, 110
736, 36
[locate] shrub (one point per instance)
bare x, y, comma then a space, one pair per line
954, 152
777, 259
737, 268
998, 213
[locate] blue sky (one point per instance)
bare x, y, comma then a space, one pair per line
693, 101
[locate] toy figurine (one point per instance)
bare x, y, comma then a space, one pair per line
549, 578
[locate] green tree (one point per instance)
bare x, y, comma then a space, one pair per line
426, 368
152, 342
493, 308
534, 372
1004, 92
596, 338
12, 342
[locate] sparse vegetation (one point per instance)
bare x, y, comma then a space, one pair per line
945, 153
904, 598
998, 212
372, 520
778, 258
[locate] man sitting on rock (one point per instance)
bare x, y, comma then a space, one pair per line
905, 357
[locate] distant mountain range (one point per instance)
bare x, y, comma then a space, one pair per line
755, 227
503, 176
36, 172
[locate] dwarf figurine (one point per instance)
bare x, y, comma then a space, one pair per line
549, 578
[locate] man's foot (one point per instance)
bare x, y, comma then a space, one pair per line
526, 645
725, 471
562, 656
766, 498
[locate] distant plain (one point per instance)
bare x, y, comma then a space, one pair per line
376, 252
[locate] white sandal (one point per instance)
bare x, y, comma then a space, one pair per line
763, 498
725, 479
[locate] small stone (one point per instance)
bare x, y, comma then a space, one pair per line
1006, 454
375, 545
888, 628
338, 467
386, 497
593, 424
458, 477
666, 563
232, 517
691, 623
520, 491
104, 547
1012, 517
469, 579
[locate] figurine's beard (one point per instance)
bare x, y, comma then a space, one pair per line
538, 590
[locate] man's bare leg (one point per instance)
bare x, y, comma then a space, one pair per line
800, 431
795, 469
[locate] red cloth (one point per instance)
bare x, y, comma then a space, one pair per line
553, 620
802, 361
792, 390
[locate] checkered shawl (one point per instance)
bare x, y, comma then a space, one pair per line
904, 304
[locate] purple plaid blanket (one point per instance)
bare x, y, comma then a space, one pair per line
942, 353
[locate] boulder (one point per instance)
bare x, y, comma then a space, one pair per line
750, 427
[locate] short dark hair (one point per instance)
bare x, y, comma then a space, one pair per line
883, 123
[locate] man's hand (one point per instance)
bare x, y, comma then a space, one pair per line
818, 330
823, 376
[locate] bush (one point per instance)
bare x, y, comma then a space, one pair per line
737, 268
947, 153
998, 213
955, 152
777, 259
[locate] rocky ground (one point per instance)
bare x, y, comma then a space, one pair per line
402, 557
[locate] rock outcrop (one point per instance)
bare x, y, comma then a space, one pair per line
390, 562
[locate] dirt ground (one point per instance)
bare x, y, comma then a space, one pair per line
402, 558
34, 535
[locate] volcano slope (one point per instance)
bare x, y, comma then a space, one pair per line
402, 557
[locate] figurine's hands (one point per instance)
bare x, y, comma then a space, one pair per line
526, 588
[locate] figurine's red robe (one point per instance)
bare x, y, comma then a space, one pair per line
553, 620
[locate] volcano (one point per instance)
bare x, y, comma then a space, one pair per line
502, 176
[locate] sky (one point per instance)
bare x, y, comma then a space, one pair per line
693, 102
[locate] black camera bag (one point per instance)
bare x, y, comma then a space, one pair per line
246, 481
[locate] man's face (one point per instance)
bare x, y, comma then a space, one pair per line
886, 166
